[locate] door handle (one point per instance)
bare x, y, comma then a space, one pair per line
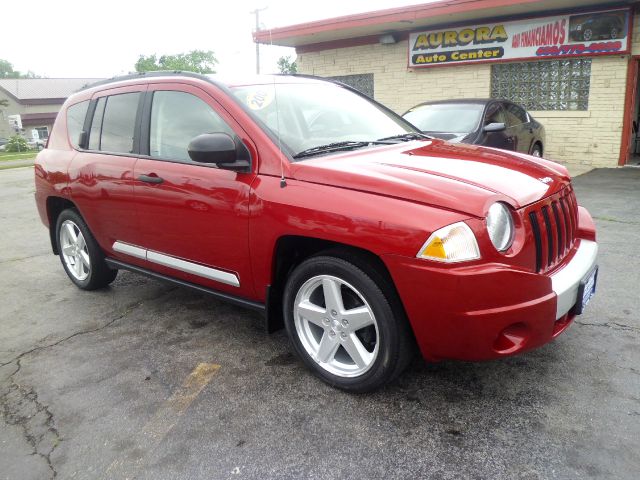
152, 178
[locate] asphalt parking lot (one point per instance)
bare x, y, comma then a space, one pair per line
146, 380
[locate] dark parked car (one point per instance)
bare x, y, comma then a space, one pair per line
598, 27
492, 123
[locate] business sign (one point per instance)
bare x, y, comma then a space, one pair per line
15, 121
585, 34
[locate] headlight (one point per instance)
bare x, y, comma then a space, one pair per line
500, 226
453, 243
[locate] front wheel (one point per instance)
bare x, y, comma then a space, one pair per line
342, 325
80, 254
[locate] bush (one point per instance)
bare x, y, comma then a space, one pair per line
17, 144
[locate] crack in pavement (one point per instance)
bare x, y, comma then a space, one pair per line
19, 259
21, 407
127, 311
612, 325
615, 220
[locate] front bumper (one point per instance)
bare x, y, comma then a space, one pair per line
566, 282
488, 311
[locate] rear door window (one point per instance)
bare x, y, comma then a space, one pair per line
119, 122
75, 121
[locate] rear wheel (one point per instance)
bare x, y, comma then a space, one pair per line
536, 151
80, 254
342, 325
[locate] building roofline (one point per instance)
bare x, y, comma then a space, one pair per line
379, 17
361, 28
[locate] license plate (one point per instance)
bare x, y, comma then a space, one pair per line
587, 290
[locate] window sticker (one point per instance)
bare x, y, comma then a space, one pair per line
259, 99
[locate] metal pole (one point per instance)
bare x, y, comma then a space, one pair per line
256, 12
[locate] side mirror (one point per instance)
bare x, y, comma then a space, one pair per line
220, 149
495, 127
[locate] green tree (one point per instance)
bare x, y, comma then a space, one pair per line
287, 66
199, 61
7, 71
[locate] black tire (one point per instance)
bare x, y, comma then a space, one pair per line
395, 344
536, 151
98, 274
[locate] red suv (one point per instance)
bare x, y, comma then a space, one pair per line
307, 201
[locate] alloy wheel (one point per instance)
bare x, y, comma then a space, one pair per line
74, 250
336, 326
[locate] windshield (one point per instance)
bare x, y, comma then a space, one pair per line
446, 117
311, 115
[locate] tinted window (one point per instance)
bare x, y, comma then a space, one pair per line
119, 123
495, 114
96, 125
176, 118
515, 114
75, 121
446, 117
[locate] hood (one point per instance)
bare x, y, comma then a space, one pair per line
463, 178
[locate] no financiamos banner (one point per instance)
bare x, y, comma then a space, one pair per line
582, 34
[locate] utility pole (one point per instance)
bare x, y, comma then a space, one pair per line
256, 12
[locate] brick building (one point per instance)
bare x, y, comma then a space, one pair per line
582, 86
37, 101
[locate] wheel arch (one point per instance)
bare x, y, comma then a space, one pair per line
291, 250
537, 142
55, 206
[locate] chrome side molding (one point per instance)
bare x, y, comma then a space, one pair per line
177, 263
128, 249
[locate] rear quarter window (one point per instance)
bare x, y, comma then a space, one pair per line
75, 121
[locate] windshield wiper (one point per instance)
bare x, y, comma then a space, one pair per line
405, 137
339, 146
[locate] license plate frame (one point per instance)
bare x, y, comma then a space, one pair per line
586, 290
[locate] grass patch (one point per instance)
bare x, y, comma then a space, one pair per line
18, 156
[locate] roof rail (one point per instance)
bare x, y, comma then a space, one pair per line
152, 74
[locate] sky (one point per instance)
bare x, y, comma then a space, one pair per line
86, 38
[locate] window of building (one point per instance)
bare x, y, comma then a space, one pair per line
43, 132
362, 82
119, 123
544, 85
177, 118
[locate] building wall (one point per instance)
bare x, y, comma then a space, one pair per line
581, 139
15, 108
